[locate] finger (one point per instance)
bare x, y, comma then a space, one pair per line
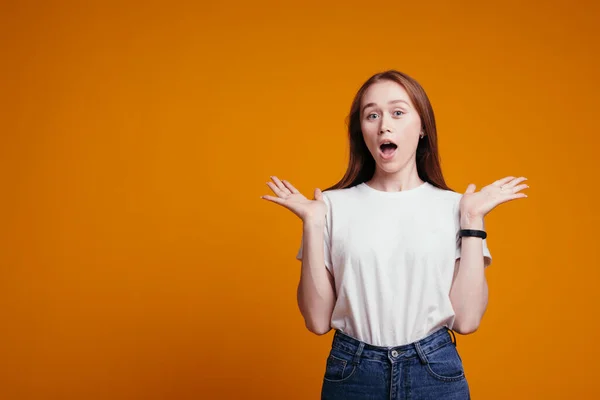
471, 188
517, 196
515, 182
519, 188
280, 185
318, 194
503, 181
276, 190
290, 187
274, 199
513, 197
511, 186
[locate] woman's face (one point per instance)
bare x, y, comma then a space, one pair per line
390, 125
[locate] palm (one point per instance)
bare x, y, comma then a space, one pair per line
289, 197
501, 191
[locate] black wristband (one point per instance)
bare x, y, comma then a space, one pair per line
472, 232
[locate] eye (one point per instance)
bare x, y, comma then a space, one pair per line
370, 116
398, 111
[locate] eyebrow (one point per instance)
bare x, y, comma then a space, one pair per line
391, 102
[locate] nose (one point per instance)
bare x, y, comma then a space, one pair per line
385, 125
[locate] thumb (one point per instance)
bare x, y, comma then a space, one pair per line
318, 194
470, 188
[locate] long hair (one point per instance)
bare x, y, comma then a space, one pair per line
361, 165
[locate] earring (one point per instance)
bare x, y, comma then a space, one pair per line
422, 135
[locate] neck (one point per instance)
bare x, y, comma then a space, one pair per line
405, 179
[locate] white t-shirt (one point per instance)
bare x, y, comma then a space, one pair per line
392, 256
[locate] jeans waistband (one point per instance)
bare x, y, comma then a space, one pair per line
420, 348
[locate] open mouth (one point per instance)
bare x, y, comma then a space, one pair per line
388, 149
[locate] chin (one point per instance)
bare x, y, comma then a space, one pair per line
390, 169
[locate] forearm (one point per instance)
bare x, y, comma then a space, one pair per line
316, 295
469, 293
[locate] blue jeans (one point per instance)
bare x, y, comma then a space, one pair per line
427, 369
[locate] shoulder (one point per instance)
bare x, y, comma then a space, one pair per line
443, 195
342, 198
340, 194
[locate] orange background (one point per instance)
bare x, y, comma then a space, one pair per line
137, 259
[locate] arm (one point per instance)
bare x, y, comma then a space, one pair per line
316, 289
469, 290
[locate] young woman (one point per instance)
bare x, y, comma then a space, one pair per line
392, 259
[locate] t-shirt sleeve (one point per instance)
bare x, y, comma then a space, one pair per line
487, 256
326, 237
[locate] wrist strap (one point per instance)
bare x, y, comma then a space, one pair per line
472, 232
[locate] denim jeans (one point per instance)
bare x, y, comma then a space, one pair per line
427, 369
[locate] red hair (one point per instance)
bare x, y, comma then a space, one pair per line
361, 165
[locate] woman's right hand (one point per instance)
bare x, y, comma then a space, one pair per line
289, 197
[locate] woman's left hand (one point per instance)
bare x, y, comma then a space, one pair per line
478, 204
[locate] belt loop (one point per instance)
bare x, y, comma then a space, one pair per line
421, 354
450, 331
356, 358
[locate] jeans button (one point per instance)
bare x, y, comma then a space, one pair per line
394, 353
